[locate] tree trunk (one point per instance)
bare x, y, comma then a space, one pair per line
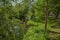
46, 15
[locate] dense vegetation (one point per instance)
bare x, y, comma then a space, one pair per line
25, 20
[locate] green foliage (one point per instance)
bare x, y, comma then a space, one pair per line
26, 20
35, 33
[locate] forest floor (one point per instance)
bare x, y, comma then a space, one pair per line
54, 33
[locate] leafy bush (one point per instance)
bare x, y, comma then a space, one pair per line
35, 33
